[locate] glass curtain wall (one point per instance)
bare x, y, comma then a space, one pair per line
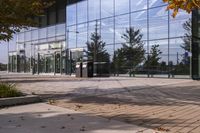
12, 65
51, 29
136, 38
196, 44
30, 40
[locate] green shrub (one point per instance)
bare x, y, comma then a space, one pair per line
9, 90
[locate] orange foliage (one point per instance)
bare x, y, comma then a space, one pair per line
187, 5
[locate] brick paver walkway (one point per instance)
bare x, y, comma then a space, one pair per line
169, 105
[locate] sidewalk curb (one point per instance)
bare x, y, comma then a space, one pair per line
19, 100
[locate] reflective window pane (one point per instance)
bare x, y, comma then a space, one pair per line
158, 23
179, 50
51, 31
138, 5
107, 30
71, 14
82, 11
158, 63
28, 36
121, 25
60, 32
60, 29
71, 36
35, 34
91, 28
107, 8
178, 23
180, 56
42, 33
156, 3
139, 21
121, 6
82, 35
21, 37
110, 51
94, 9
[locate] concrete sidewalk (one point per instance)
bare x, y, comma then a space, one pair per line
44, 118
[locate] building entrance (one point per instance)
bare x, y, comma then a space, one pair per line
76, 55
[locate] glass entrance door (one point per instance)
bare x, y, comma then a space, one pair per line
76, 55
58, 63
49, 63
41, 63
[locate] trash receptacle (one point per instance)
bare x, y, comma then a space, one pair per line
87, 69
78, 69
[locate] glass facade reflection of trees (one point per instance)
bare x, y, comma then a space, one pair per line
123, 29
162, 36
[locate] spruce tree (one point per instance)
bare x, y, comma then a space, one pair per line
187, 39
98, 54
132, 52
96, 48
154, 57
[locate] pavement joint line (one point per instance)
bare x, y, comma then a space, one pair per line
195, 116
150, 109
159, 111
140, 110
147, 86
161, 116
147, 121
178, 116
193, 129
122, 120
160, 85
178, 112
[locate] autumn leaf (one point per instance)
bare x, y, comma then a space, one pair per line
187, 5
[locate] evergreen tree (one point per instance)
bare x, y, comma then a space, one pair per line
187, 39
98, 54
119, 61
154, 57
188, 36
184, 66
132, 52
163, 66
96, 48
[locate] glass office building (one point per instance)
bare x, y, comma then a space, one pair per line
121, 37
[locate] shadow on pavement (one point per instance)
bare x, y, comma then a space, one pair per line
53, 122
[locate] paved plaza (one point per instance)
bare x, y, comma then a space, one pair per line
44, 118
167, 105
